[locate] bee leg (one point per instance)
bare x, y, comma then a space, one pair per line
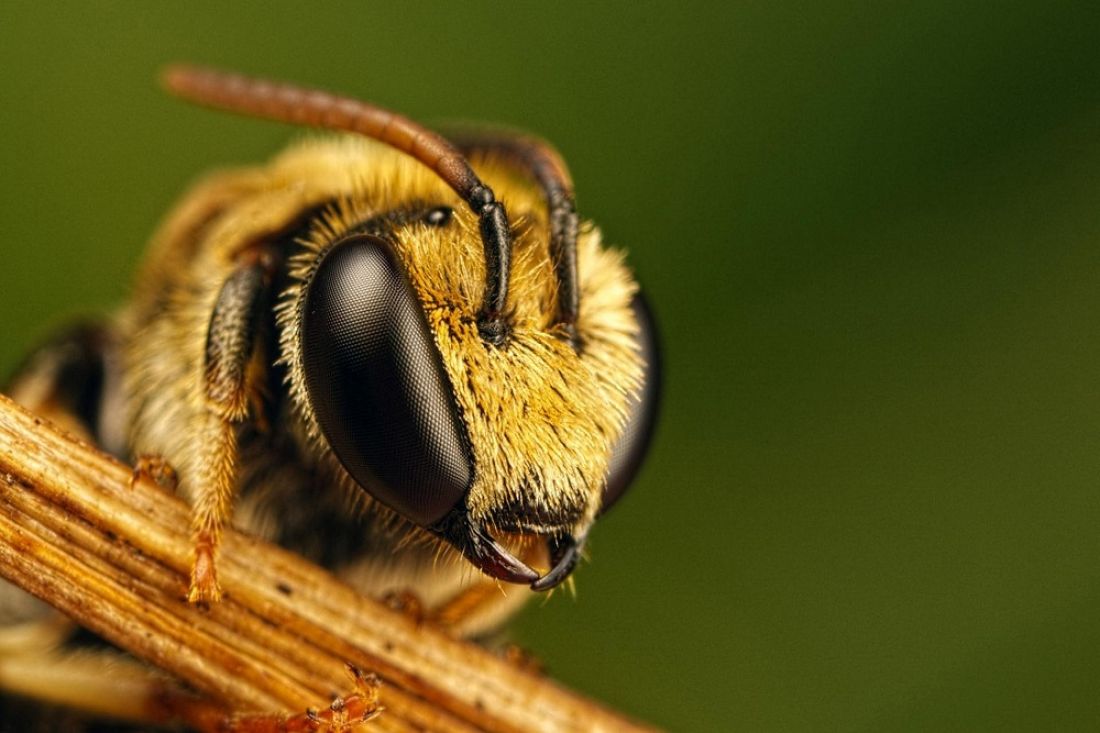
521, 658
343, 715
408, 603
155, 469
485, 603
107, 684
229, 382
465, 605
472, 608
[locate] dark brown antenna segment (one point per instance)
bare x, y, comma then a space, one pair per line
313, 108
545, 165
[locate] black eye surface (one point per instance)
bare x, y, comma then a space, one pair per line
377, 385
630, 451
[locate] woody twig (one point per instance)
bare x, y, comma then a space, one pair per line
116, 558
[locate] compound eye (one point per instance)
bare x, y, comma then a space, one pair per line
377, 385
630, 451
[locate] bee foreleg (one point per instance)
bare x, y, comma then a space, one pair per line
228, 387
344, 715
156, 469
468, 603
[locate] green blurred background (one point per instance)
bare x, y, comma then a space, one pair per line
872, 235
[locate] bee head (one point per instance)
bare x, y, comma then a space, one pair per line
487, 446
487, 378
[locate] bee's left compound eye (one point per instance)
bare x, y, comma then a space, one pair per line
377, 385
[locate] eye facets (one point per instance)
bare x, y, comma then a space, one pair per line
377, 385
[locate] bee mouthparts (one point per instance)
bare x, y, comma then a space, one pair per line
480, 548
564, 553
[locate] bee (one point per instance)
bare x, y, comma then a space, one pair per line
400, 355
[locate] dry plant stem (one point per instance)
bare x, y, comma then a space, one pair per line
116, 559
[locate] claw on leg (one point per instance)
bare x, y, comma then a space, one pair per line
408, 603
204, 574
521, 658
155, 469
345, 715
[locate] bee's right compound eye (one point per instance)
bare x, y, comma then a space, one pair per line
377, 385
630, 451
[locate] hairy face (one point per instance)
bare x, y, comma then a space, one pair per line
541, 417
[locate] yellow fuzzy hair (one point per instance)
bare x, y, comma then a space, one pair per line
541, 419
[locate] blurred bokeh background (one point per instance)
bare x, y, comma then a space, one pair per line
872, 235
